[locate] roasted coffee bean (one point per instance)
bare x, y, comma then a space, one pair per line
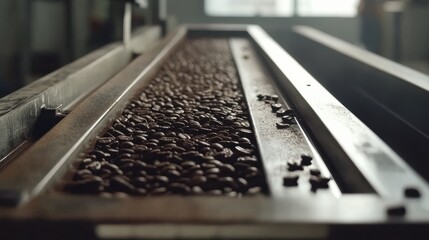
158, 135
140, 182
227, 169
127, 144
179, 188
319, 182
83, 163
254, 190
82, 174
99, 154
196, 190
290, 181
282, 125
411, 192
274, 97
94, 166
213, 170
162, 180
104, 173
315, 172
198, 180
242, 151
123, 161
275, 107
124, 138
105, 140
288, 119
281, 113
124, 155
294, 166
242, 184
172, 174
188, 164
139, 192
226, 182
399, 210
306, 160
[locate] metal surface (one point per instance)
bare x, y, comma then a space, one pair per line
290, 213
19, 110
348, 142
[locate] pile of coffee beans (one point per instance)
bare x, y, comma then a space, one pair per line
187, 133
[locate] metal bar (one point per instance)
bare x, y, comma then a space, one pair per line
349, 142
19, 110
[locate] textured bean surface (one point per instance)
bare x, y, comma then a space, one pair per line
187, 133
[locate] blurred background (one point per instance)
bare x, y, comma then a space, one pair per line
39, 36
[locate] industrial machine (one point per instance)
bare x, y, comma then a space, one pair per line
283, 144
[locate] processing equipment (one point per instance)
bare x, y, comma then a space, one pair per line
216, 131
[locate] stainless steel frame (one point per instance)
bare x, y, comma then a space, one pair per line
373, 174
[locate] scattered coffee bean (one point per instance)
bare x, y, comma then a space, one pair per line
290, 181
281, 113
288, 119
275, 107
411, 192
399, 210
282, 125
294, 166
318, 182
315, 172
306, 160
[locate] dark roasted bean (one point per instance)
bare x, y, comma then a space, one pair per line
290, 181
179, 188
127, 144
306, 160
254, 190
411, 192
315, 172
140, 182
288, 119
282, 125
294, 166
318, 182
275, 106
